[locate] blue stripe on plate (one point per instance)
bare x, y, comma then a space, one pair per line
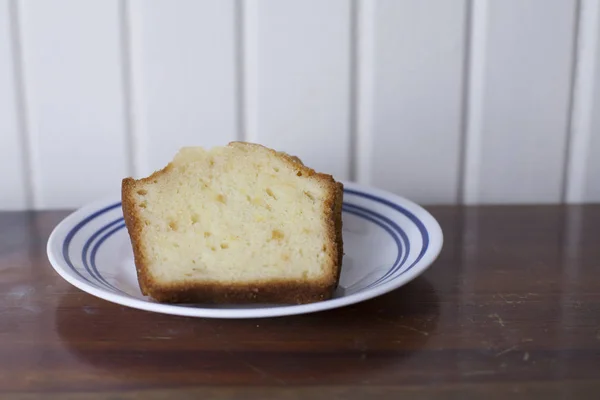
73, 232
408, 214
396, 228
397, 235
88, 243
95, 251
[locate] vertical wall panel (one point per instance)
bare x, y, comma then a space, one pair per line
184, 76
73, 80
13, 194
517, 136
106, 88
302, 80
583, 175
417, 92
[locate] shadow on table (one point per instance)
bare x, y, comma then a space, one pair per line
366, 342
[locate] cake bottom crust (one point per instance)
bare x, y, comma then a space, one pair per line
224, 293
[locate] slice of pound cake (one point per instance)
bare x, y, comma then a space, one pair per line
236, 224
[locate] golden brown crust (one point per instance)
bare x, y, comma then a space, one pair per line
281, 292
132, 222
273, 292
339, 240
134, 228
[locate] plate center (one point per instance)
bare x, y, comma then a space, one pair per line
370, 252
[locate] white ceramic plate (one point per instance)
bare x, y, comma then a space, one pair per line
388, 241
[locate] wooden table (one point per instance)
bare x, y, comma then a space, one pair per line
511, 309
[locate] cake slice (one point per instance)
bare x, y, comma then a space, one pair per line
235, 224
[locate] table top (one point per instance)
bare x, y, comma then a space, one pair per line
511, 307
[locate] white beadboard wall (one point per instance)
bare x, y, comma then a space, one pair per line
443, 102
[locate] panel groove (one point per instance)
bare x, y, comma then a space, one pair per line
28, 150
133, 87
464, 118
571, 102
131, 143
353, 92
473, 112
582, 106
240, 68
363, 137
248, 66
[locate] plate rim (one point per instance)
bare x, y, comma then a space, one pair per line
432, 226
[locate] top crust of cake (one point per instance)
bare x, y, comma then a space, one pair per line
239, 291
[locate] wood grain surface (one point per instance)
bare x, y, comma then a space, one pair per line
511, 309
